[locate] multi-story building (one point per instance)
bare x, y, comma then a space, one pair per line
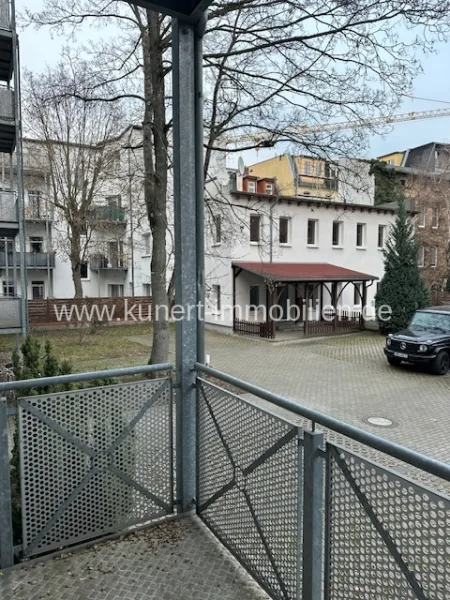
424, 173
309, 252
13, 301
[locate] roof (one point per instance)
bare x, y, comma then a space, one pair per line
444, 309
311, 272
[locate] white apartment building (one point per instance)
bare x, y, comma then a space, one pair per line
292, 251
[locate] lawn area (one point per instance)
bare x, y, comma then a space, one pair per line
107, 348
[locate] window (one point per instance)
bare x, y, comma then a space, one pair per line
337, 233
252, 187
360, 235
381, 235
34, 204
435, 221
255, 228
312, 232
434, 253
84, 271
114, 201
308, 167
421, 256
147, 289
37, 290
216, 297
284, 230
36, 244
421, 216
146, 238
269, 188
254, 296
217, 229
9, 289
319, 169
116, 290
357, 295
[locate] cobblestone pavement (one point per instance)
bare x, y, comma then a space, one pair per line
349, 378
177, 560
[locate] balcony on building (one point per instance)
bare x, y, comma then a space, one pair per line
9, 214
37, 211
7, 121
6, 48
110, 213
114, 262
33, 260
9, 313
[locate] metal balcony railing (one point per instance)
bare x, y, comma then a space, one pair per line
5, 15
104, 263
8, 207
39, 213
9, 313
33, 260
6, 104
108, 214
312, 507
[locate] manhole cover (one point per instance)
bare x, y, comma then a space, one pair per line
380, 421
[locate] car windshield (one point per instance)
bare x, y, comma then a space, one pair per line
431, 321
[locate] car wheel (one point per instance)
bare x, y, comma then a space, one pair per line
441, 363
394, 361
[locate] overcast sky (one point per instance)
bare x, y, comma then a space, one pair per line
38, 48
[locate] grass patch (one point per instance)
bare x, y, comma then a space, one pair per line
107, 348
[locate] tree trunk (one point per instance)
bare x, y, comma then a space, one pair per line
155, 187
76, 278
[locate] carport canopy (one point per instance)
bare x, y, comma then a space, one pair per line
302, 272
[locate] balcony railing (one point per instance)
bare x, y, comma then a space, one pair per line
6, 104
38, 213
8, 207
109, 214
105, 263
33, 260
312, 507
9, 313
5, 14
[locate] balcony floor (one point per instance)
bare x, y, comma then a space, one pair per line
177, 560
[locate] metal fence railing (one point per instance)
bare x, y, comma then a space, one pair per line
329, 521
6, 104
91, 461
9, 313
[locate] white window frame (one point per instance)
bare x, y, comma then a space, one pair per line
421, 257
217, 300
251, 187
383, 229
433, 257
254, 242
435, 218
308, 170
147, 289
422, 216
340, 243
359, 287
316, 233
87, 278
289, 220
363, 245
147, 243
269, 189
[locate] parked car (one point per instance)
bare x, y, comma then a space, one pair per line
426, 341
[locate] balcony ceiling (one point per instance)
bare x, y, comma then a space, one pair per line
188, 10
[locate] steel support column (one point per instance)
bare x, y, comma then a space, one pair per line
313, 507
186, 153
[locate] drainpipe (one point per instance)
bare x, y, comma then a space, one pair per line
272, 206
130, 200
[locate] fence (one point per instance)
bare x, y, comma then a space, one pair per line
49, 311
92, 461
10, 313
342, 323
263, 330
33, 260
313, 519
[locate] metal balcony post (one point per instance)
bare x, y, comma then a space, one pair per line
313, 510
6, 534
186, 239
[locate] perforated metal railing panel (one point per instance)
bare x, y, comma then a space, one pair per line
389, 538
249, 471
94, 461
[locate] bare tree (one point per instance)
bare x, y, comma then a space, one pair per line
270, 67
79, 149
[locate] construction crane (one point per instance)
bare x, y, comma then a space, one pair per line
268, 140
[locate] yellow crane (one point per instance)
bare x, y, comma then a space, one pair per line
267, 140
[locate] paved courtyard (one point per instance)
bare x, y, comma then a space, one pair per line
349, 378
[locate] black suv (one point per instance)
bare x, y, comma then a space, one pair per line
425, 342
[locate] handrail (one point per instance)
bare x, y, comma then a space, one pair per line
80, 377
426, 463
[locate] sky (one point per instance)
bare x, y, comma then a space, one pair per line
38, 48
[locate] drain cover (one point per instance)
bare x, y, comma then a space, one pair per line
380, 421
